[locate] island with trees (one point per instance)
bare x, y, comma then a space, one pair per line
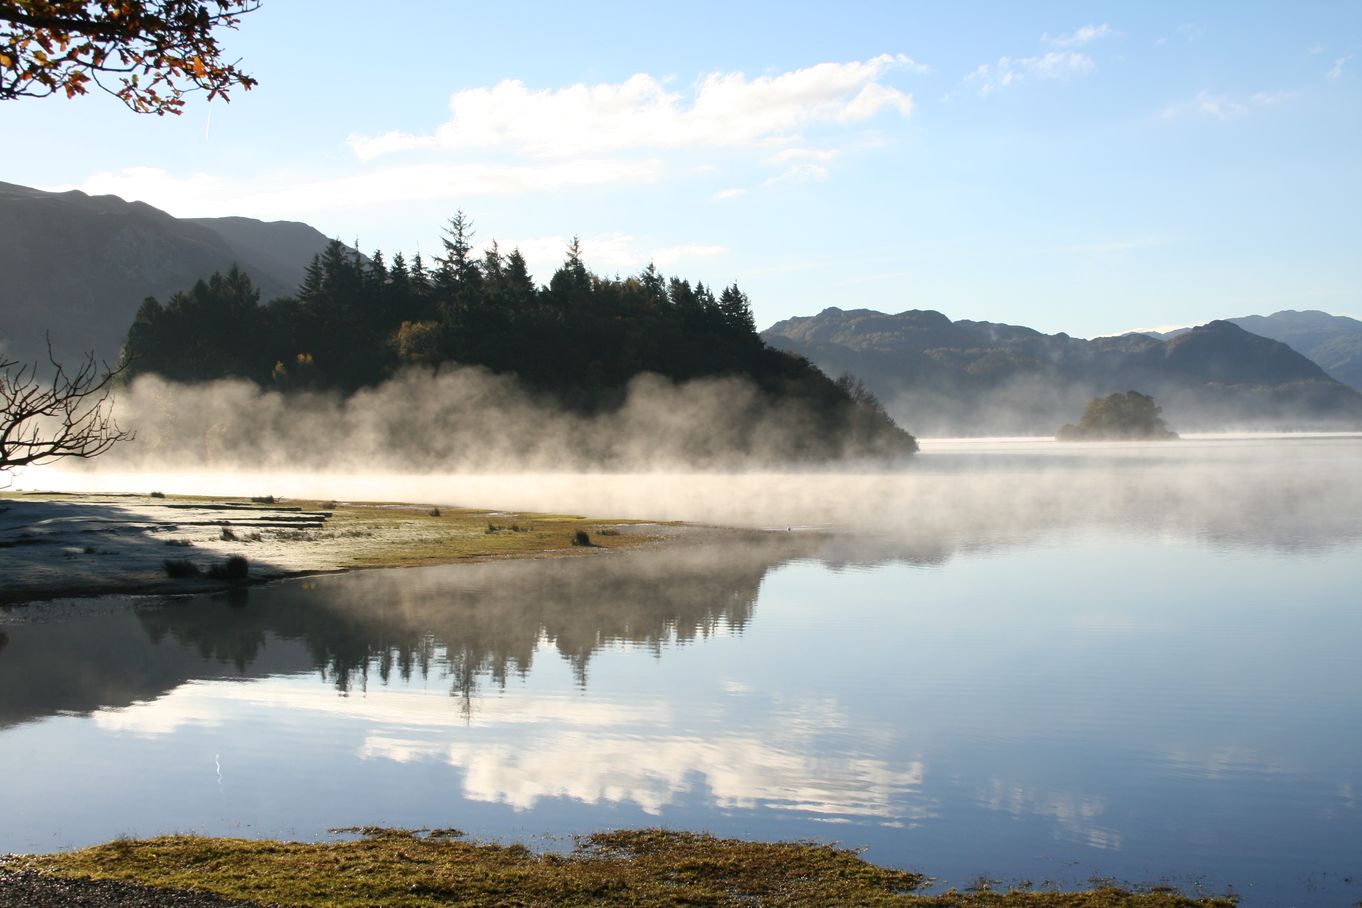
1131, 416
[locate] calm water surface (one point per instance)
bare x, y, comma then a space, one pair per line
1167, 689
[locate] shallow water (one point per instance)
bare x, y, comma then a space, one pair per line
983, 668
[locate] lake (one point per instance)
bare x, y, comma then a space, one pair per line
1015, 660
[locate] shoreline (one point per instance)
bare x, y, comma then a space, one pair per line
421, 868
60, 545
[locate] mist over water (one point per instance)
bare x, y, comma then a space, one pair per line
1280, 491
1005, 656
708, 452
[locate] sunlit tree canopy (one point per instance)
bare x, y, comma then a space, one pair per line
146, 53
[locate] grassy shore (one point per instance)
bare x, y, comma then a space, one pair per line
56, 545
422, 869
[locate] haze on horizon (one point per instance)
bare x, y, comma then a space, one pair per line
1088, 170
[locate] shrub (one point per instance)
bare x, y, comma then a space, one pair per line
234, 569
180, 568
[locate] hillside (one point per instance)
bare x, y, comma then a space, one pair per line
77, 266
943, 377
1333, 342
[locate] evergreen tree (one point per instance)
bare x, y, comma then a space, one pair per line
654, 287
736, 310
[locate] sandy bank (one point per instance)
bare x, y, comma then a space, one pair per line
60, 545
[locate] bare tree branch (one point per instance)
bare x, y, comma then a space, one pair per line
68, 415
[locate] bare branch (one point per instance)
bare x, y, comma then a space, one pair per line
68, 415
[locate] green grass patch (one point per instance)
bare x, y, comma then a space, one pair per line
413, 869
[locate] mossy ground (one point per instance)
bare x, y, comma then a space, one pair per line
642, 867
402, 535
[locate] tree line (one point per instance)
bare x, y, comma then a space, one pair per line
578, 340
355, 320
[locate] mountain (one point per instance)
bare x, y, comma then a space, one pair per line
1334, 342
943, 377
77, 266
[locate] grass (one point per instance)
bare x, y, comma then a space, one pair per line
648, 867
386, 534
407, 536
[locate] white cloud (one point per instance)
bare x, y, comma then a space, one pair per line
553, 139
723, 195
1272, 98
802, 155
1008, 71
1187, 31
367, 148
1336, 71
1220, 107
801, 164
607, 253
800, 172
288, 196
1084, 35
724, 110
670, 255
1224, 107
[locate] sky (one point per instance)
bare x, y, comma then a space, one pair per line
1089, 168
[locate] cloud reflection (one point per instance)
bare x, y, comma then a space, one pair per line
1075, 814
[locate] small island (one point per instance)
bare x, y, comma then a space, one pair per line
1131, 416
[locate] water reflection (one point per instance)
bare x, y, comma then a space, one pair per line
1076, 816
1175, 692
461, 625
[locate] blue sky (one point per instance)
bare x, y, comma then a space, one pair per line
1088, 168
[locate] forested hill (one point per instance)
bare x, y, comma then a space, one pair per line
76, 266
578, 342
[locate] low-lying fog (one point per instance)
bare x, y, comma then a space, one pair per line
465, 438
1273, 492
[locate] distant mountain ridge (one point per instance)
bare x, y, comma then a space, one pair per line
1332, 341
77, 266
943, 377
